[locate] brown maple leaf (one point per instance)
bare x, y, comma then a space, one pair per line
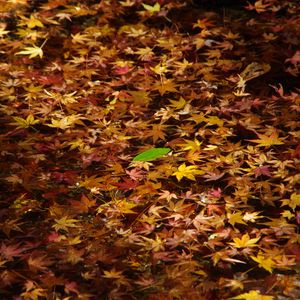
9, 252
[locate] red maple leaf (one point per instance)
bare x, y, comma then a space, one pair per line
51, 79
126, 185
263, 170
8, 252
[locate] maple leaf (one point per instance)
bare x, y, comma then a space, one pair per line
252, 295
38, 263
182, 66
268, 140
71, 286
157, 132
198, 118
193, 146
264, 262
178, 104
66, 122
165, 85
251, 217
33, 51
78, 143
126, 185
199, 42
10, 251
3, 32
254, 70
151, 154
214, 120
125, 207
259, 6
155, 245
244, 242
241, 93
127, 3
113, 274
74, 255
64, 223
202, 24
165, 194
84, 204
80, 38
262, 170
293, 202
33, 292
160, 69
25, 123
235, 218
33, 22
135, 174
152, 9
187, 171
288, 214
145, 54
213, 176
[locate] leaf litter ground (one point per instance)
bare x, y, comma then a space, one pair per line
86, 86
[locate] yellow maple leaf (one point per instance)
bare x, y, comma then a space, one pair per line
34, 293
3, 32
193, 146
64, 223
184, 64
79, 38
66, 122
33, 22
244, 242
165, 85
251, 217
152, 9
235, 218
198, 118
113, 273
199, 42
178, 104
144, 53
264, 262
160, 69
125, 207
252, 295
24, 123
240, 93
187, 171
33, 51
214, 120
267, 141
78, 143
293, 202
287, 214
254, 70
91, 182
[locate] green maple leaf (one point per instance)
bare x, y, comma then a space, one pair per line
151, 154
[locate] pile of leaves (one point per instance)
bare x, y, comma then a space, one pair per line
149, 150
